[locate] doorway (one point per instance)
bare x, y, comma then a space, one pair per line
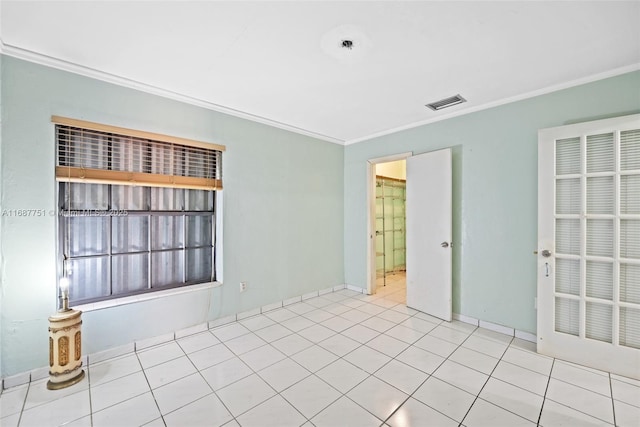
375, 262
426, 231
390, 230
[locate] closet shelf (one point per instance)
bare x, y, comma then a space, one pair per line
390, 224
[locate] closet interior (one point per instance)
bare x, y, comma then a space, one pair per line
390, 227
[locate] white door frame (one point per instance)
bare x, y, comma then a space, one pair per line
371, 214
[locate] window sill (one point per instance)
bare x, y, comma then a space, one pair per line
116, 302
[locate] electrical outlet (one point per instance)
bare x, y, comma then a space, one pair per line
243, 286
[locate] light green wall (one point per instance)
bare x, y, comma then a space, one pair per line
283, 211
294, 207
494, 193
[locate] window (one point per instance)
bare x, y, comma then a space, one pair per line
136, 210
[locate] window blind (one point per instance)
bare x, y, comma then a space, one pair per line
599, 322
93, 153
630, 327
599, 278
568, 156
600, 153
567, 316
630, 150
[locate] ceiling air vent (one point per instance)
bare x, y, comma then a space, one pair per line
447, 102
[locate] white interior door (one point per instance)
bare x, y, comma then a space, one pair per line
589, 244
428, 239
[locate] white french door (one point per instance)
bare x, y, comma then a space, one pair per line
589, 244
428, 238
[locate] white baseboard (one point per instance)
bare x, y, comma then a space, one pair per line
290, 301
222, 321
356, 289
465, 319
40, 373
16, 380
325, 291
248, 313
527, 336
33, 375
203, 327
270, 307
497, 328
111, 353
150, 342
310, 295
43, 372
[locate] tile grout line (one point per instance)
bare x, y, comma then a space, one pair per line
286, 356
201, 376
581, 387
325, 407
336, 333
184, 353
410, 395
369, 375
579, 410
258, 375
233, 417
24, 403
89, 390
613, 401
485, 383
394, 358
89, 387
544, 398
443, 362
529, 370
461, 345
150, 388
338, 357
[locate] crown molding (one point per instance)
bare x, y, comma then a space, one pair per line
49, 61
532, 94
71, 67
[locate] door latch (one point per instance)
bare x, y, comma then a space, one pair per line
546, 269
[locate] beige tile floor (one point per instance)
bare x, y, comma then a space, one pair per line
341, 359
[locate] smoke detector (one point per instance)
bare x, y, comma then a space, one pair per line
346, 43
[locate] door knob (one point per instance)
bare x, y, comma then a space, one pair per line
444, 244
546, 253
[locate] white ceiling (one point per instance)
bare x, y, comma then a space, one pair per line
281, 62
